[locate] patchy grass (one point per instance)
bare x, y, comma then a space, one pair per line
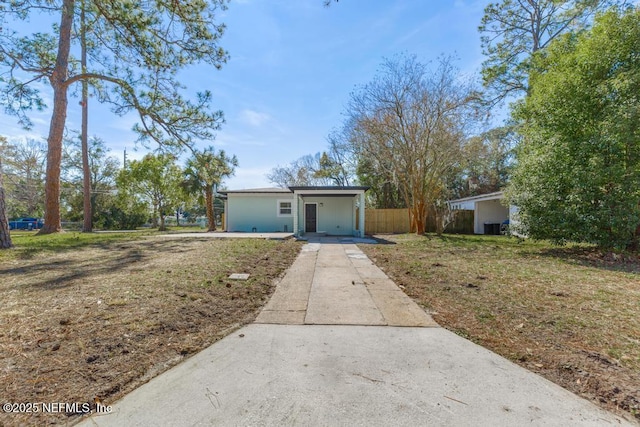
86, 315
570, 313
27, 243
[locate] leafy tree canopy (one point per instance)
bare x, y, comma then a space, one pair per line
134, 53
513, 30
156, 180
578, 172
205, 170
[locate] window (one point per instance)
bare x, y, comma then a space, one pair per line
284, 208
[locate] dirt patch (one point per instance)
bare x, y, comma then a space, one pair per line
98, 321
569, 314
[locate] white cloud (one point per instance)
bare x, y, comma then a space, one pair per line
254, 118
24, 137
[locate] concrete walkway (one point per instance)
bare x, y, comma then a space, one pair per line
334, 283
340, 345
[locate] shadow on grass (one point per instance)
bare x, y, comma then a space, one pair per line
478, 239
510, 247
583, 255
379, 241
62, 273
451, 238
596, 258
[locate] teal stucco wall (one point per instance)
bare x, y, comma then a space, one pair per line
335, 214
260, 211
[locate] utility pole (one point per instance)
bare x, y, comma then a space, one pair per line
87, 224
124, 163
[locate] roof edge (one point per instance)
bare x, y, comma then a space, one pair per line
329, 187
257, 191
480, 197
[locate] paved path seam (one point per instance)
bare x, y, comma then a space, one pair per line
335, 283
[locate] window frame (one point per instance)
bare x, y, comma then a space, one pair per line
279, 207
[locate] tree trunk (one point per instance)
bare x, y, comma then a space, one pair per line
439, 222
211, 217
634, 245
412, 220
5, 236
87, 224
419, 214
154, 219
87, 211
58, 80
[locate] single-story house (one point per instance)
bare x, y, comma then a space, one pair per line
489, 211
330, 210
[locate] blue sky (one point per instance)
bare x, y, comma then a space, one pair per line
292, 67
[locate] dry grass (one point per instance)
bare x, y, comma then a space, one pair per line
100, 317
570, 314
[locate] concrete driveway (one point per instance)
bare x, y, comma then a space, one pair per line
340, 345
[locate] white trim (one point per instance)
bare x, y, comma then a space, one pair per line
279, 209
329, 192
225, 226
483, 197
361, 206
296, 216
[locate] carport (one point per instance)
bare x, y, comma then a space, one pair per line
489, 212
328, 210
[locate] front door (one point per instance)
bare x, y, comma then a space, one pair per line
310, 217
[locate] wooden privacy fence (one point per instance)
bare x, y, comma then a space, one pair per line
462, 223
378, 221
381, 221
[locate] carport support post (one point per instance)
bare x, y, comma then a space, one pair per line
294, 211
361, 213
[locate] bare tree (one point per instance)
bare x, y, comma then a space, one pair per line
307, 170
25, 171
103, 169
412, 121
343, 162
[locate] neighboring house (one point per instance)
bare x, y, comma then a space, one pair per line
489, 212
334, 211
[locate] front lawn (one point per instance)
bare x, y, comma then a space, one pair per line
96, 315
570, 314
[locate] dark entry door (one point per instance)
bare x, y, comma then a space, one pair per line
310, 217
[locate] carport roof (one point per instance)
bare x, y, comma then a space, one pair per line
332, 190
328, 187
328, 190
257, 191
